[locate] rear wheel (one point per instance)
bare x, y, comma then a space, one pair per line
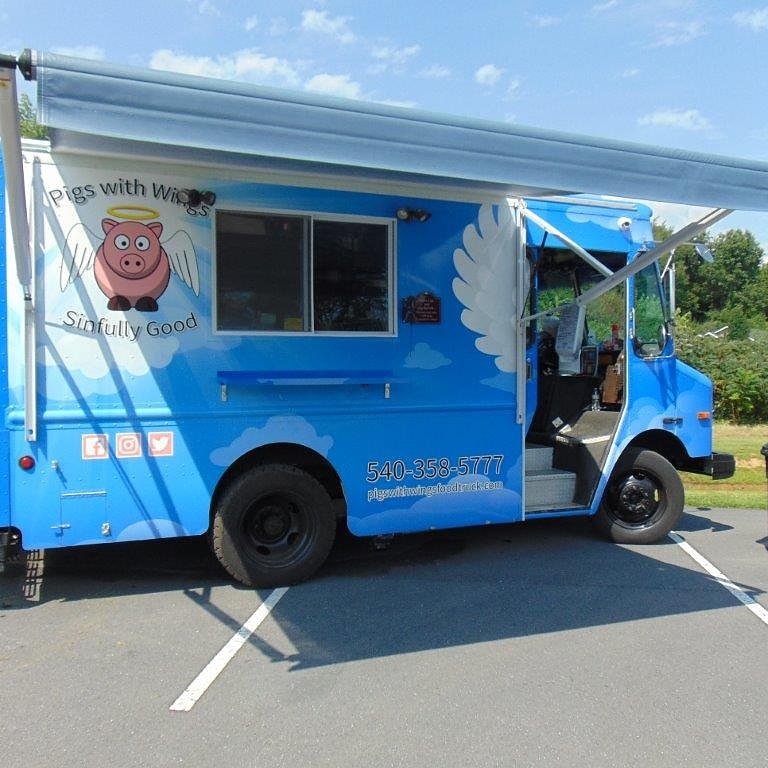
643, 500
273, 526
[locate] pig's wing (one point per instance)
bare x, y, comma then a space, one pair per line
77, 255
183, 259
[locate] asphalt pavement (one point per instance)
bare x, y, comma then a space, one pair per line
518, 645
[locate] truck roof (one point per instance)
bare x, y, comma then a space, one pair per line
94, 106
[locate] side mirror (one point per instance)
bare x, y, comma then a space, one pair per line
663, 336
764, 451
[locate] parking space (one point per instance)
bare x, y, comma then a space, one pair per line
533, 644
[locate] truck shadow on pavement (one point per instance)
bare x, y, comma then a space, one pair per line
425, 591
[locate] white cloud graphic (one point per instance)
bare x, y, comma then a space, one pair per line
506, 382
424, 357
581, 217
278, 429
156, 528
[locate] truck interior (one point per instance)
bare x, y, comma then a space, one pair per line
579, 377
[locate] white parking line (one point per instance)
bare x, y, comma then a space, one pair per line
216, 665
748, 601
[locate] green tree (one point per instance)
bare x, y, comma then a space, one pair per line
688, 291
736, 267
28, 125
754, 297
733, 281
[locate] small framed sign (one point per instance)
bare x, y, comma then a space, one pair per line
421, 309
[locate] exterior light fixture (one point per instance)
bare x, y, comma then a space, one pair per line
412, 214
194, 197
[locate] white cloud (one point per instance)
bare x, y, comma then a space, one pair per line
251, 23
756, 20
277, 429
542, 22
631, 72
395, 55
82, 51
673, 33
334, 85
685, 119
606, 6
393, 58
424, 357
247, 65
319, 21
506, 382
205, 7
279, 26
435, 72
488, 74
512, 89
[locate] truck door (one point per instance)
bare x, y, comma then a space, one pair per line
653, 346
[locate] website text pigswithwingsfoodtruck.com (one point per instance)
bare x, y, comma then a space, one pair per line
405, 491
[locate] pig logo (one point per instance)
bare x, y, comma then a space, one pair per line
132, 266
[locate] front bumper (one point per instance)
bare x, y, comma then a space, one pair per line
718, 466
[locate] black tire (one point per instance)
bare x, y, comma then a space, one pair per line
643, 500
273, 526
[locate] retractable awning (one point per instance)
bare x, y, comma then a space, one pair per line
92, 104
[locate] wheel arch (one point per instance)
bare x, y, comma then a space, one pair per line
294, 454
664, 443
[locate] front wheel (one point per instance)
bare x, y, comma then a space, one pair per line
273, 526
643, 499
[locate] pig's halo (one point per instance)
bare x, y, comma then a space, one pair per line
133, 212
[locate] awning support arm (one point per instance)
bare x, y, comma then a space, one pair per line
572, 244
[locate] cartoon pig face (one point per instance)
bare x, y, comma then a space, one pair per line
132, 249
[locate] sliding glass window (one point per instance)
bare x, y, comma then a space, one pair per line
282, 273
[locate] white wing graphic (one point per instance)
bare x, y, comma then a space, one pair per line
486, 285
183, 259
77, 255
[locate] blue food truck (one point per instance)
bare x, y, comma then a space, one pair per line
263, 315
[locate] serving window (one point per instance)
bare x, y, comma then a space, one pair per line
285, 273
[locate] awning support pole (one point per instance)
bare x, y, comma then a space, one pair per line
17, 214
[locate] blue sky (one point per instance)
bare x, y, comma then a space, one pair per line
680, 73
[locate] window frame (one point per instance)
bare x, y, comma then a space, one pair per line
307, 288
663, 338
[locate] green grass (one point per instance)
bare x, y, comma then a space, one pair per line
747, 488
